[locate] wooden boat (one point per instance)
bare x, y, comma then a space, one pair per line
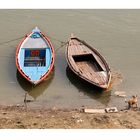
87, 63
35, 56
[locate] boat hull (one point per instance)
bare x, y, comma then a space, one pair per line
35, 57
87, 63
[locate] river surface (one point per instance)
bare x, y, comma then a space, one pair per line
114, 33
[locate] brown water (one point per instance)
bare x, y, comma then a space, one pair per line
115, 33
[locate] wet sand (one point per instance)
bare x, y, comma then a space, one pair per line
21, 117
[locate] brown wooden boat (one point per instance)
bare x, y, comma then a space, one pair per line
87, 63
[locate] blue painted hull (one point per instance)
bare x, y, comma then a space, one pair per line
35, 57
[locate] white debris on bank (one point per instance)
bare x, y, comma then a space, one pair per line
111, 110
94, 110
106, 110
120, 93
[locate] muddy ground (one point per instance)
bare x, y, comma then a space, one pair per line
21, 117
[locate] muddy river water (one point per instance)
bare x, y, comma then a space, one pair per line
114, 33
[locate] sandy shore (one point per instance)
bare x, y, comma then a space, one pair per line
21, 117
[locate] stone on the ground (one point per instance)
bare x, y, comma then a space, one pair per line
120, 93
111, 110
94, 110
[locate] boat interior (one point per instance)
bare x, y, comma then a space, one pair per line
35, 58
90, 69
87, 60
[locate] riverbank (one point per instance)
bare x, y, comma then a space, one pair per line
21, 117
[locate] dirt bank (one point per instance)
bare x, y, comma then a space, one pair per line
20, 117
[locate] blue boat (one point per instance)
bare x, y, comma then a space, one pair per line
35, 57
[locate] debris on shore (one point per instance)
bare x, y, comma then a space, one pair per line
111, 110
94, 110
120, 93
106, 110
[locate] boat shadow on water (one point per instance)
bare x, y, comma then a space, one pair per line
34, 91
88, 89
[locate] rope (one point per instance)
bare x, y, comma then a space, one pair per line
52, 38
3, 43
15, 39
62, 45
7, 56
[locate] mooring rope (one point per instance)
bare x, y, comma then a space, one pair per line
63, 44
15, 39
52, 38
